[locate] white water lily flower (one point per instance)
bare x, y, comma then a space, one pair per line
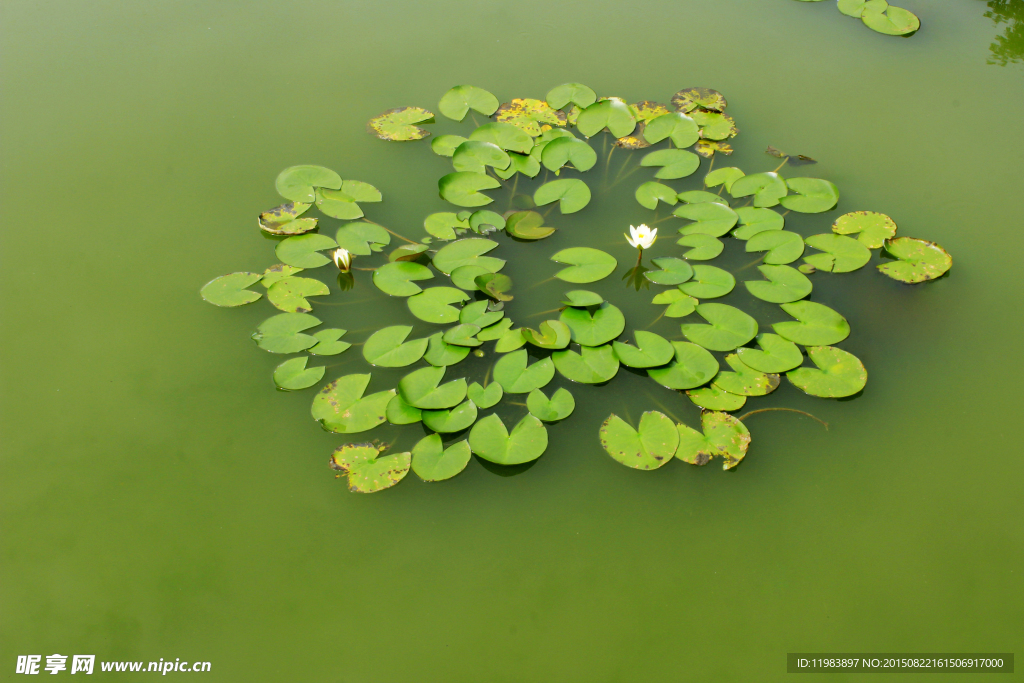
642, 236
342, 259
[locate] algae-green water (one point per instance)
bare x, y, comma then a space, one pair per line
160, 499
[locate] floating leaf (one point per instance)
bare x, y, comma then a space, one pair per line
462, 335
387, 347
440, 353
284, 220
447, 421
230, 290
581, 297
593, 329
484, 221
646, 448
564, 150
341, 407
919, 260
474, 155
679, 304
420, 389
276, 272
592, 365
678, 127
529, 166
651, 350
516, 377
585, 264
467, 252
442, 225
634, 141
399, 412
817, 324
650, 193
510, 340
491, 441
572, 194
485, 397
457, 102
754, 220
290, 294
838, 374
343, 203
810, 195
553, 334
776, 354
766, 188
691, 367
724, 436
711, 218
689, 99
464, 277
575, 93
462, 188
892, 21
855, 8
396, 125
362, 238
612, 113
504, 135
713, 398
367, 471
842, 254
527, 225
445, 145
672, 271
432, 462
675, 163
715, 126
495, 331
281, 333
723, 176
433, 305
293, 375
727, 327
559, 407
705, 247
301, 251
494, 285
709, 282
477, 314
784, 285
532, 116
299, 183
397, 279
871, 228
328, 344
744, 380
782, 246
707, 148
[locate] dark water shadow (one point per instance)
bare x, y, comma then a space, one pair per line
505, 470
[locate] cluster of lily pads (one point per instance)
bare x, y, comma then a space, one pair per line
880, 16
585, 343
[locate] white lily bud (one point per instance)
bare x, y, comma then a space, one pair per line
342, 259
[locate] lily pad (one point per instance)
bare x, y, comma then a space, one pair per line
290, 294
919, 260
474, 155
441, 354
726, 175
494, 285
855, 8
495, 331
714, 125
646, 448
448, 421
708, 282
399, 412
784, 285
510, 340
704, 247
328, 343
691, 367
485, 397
679, 305
278, 271
612, 113
766, 188
230, 290
650, 193
299, 183
711, 218
490, 440
672, 271
810, 195
282, 333
462, 335
387, 347
467, 252
477, 314
582, 297
432, 462
677, 126
445, 145
572, 194
284, 220
651, 350
302, 251
367, 470
593, 329
775, 355
592, 365
293, 375
462, 188
407, 252
571, 93
504, 135
485, 220
838, 374
553, 334
344, 203
398, 278
745, 380
727, 327
558, 407
754, 220
457, 102
516, 377
782, 246
708, 148
433, 305
842, 254
724, 436
527, 225
464, 277
361, 238
443, 224
397, 125
527, 165
815, 325
713, 398
689, 99
341, 407
892, 21
585, 264
420, 389
532, 116
674, 163
565, 150
870, 227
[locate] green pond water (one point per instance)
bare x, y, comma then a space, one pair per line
160, 499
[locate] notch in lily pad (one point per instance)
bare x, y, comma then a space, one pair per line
723, 436
648, 447
368, 471
457, 102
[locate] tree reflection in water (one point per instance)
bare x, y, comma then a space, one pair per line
1009, 47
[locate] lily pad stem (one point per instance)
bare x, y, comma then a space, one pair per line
790, 410
401, 237
538, 284
663, 408
752, 263
552, 310
712, 165
784, 162
656, 319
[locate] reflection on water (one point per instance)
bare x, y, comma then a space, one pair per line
1009, 47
